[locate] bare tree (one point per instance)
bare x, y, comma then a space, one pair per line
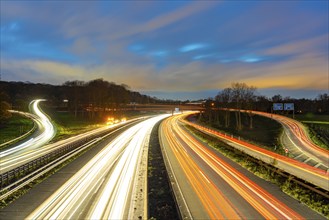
74, 94
322, 102
98, 96
243, 96
224, 97
277, 98
4, 107
238, 93
250, 98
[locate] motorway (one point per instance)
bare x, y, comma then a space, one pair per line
104, 187
12, 161
297, 141
215, 188
45, 133
301, 170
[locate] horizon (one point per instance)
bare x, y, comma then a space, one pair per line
174, 50
203, 95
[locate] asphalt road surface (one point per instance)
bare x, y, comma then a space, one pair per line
215, 188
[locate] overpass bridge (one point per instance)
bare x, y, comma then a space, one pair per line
163, 107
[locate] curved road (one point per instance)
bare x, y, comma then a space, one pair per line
297, 141
45, 132
301, 170
214, 188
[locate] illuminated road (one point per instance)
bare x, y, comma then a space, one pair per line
211, 187
296, 139
17, 159
301, 170
45, 133
103, 187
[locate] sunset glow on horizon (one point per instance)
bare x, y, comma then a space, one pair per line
169, 49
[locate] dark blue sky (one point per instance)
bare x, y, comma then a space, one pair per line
172, 49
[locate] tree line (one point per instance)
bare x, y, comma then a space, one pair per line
241, 96
90, 99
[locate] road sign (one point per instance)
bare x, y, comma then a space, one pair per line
277, 106
289, 106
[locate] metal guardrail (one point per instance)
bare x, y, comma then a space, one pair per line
301, 180
14, 175
21, 176
22, 136
7, 191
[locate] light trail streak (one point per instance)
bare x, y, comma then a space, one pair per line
12, 161
304, 171
266, 204
298, 136
46, 135
102, 188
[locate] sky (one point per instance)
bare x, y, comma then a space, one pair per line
169, 49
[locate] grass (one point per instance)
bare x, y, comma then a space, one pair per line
317, 126
16, 126
67, 125
311, 117
314, 201
265, 132
160, 197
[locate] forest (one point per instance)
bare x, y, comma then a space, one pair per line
90, 99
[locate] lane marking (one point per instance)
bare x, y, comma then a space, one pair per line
204, 176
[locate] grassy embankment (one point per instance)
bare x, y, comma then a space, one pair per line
160, 197
265, 132
68, 125
16, 126
317, 127
300, 193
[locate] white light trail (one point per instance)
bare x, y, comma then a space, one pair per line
107, 178
43, 123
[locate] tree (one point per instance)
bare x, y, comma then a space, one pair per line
224, 97
4, 107
98, 96
250, 98
74, 93
322, 103
243, 97
238, 94
277, 98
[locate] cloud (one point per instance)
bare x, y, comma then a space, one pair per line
299, 46
191, 47
82, 46
181, 46
163, 20
250, 59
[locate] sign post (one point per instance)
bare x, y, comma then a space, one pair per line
277, 106
290, 107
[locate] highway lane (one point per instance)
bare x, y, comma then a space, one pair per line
301, 170
24, 205
44, 134
238, 198
11, 161
103, 187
